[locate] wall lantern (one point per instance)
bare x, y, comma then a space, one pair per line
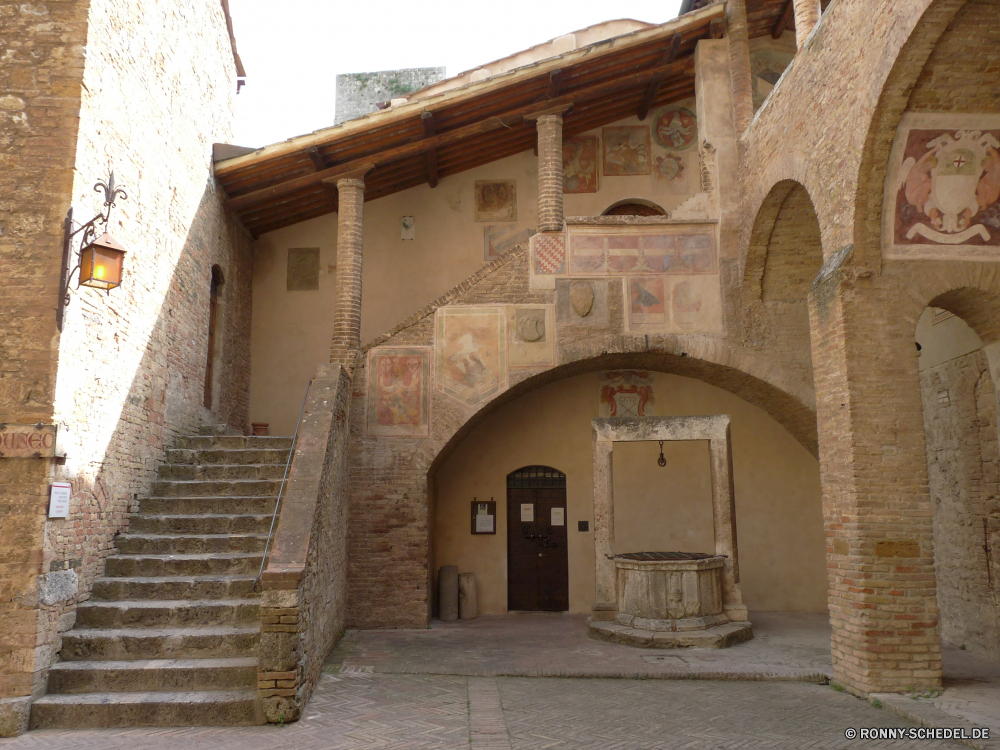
101, 259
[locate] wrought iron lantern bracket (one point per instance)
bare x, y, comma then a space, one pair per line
88, 233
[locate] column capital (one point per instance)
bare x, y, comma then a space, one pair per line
350, 182
546, 113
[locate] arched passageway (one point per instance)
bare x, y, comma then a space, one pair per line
781, 541
960, 424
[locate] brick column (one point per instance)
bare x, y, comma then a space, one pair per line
550, 173
876, 504
739, 63
347, 312
807, 14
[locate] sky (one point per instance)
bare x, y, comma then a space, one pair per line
293, 55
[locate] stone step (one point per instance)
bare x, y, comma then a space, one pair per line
218, 487
142, 588
200, 524
230, 456
219, 429
188, 544
216, 472
220, 563
168, 613
156, 506
158, 709
152, 675
256, 442
118, 644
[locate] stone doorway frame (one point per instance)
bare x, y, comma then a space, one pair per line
715, 429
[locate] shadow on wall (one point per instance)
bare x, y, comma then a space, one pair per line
164, 400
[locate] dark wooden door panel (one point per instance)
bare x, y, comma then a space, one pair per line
537, 559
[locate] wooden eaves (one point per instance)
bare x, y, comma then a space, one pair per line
456, 130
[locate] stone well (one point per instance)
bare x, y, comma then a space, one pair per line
670, 600
669, 591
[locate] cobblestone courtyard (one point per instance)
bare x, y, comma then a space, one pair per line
367, 710
487, 684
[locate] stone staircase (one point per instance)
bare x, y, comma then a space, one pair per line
170, 634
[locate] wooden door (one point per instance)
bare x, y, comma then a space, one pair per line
537, 559
213, 306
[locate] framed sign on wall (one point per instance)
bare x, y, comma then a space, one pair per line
484, 517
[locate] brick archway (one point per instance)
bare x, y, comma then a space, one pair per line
391, 511
894, 96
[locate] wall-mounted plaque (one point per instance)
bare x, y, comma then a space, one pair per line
27, 440
484, 517
59, 497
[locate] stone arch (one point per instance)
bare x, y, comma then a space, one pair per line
764, 201
969, 290
913, 60
784, 255
786, 205
643, 208
738, 371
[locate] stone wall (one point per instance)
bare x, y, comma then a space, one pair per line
42, 48
305, 583
357, 93
963, 462
155, 91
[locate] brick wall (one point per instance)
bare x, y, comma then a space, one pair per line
877, 506
158, 88
961, 73
42, 48
960, 422
303, 608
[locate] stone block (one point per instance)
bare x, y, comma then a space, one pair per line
277, 651
448, 593
57, 586
14, 713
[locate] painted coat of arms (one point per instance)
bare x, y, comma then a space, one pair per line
626, 393
945, 191
580, 164
496, 200
398, 403
675, 128
626, 150
470, 345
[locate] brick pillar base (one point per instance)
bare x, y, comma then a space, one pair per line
876, 505
347, 311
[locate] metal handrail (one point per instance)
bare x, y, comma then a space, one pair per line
281, 489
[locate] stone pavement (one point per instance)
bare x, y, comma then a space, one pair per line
483, 691
365, 711
786, 646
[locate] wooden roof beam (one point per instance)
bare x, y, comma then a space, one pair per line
783, 20
668, 57
432, 170
509, 119
316, 158
555, 84
331, 191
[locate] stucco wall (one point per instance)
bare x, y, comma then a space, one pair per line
291, 330
777, 493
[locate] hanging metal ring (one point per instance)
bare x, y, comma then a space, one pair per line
661, 461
